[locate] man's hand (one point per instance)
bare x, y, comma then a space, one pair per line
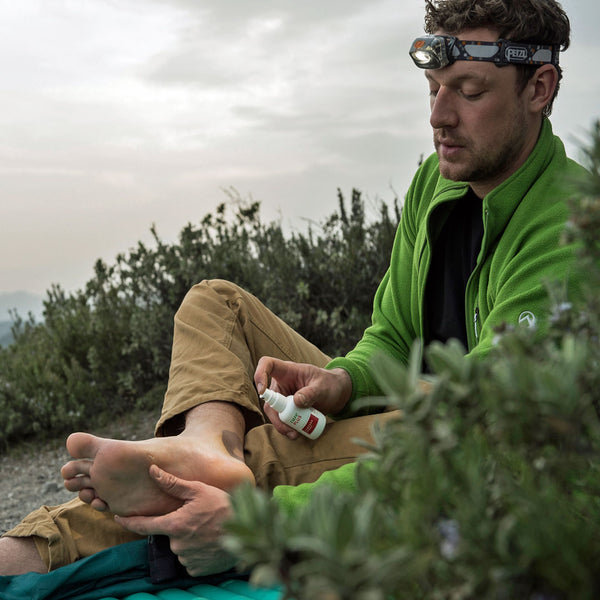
194, 529
326, 390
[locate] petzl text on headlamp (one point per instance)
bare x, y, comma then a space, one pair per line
438, 51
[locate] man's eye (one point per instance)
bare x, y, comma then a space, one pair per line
471, 95
433, 93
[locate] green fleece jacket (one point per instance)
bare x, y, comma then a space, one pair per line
523, 220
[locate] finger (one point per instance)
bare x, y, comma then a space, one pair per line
282, 370
304, 398
172, 485
263, 373
310, 396
327, 391
144, 525
214, 561
76, 467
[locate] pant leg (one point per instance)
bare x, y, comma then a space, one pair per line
221, 331
70, 531
276, 460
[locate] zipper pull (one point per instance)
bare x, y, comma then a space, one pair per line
475, 322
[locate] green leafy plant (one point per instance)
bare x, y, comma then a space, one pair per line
487, 486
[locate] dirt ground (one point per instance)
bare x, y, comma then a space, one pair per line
30, 473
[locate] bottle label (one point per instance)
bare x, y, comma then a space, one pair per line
296, 419
310, 424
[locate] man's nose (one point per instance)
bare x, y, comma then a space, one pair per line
443, 109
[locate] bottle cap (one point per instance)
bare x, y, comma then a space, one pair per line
274, 399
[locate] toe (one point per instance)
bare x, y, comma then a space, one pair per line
98, 504
75, 468
87, 495
76, 484
83, 445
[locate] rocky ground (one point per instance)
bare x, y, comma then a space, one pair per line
30, 473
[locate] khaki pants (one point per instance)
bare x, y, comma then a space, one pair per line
221, 332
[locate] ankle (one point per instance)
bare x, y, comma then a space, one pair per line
212, 418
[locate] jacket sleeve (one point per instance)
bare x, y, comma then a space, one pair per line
293, 497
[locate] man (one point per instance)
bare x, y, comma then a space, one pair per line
479, 234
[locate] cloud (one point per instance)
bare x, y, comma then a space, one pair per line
129, 112
280, 41
286, 68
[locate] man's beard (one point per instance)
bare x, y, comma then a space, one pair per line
487, 163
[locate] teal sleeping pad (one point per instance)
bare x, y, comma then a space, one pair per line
122, 573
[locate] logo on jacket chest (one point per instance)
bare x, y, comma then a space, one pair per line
527, 318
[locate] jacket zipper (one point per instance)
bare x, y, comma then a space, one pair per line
469, 285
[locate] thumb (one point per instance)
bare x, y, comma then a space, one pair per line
304, 398
144, 525
170, 484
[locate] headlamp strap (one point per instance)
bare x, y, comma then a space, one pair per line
438, 51
504, 52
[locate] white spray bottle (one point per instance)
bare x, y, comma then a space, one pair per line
308, 421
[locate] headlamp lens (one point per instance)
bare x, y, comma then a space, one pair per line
430, 52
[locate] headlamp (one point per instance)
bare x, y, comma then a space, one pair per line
439, 51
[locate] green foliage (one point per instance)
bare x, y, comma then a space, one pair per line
336, 270
487, 486
106, 348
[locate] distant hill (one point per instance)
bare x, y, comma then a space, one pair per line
5, 334
22, 302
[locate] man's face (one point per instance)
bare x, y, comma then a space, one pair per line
482, 129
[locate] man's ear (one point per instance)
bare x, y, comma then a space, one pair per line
540, 88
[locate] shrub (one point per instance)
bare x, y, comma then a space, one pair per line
106, 348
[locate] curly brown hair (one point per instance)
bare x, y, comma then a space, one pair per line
529, 21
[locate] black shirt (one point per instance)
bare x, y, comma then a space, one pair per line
454, 256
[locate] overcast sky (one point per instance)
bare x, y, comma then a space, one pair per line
117, 114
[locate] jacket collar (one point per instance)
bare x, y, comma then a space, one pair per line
500, 204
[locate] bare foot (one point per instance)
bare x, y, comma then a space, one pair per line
113, 474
